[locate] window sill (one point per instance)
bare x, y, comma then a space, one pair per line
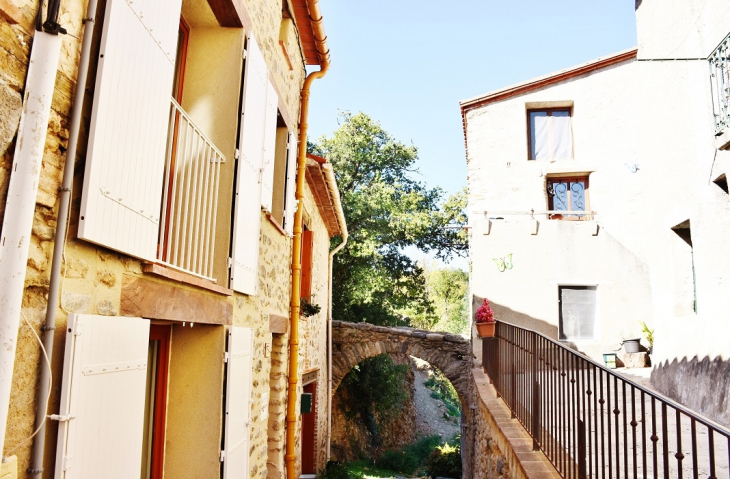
181, 277
276, 224
570, 167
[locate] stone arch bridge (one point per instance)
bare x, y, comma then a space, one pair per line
355, 342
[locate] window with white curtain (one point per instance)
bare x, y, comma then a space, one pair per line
577, 313
551, 135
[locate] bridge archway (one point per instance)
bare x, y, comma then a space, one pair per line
356, 342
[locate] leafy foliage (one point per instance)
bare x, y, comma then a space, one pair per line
386, 211
447, 289
375, 384
408, 460
445, 461
339, 471
444, 390
309, 309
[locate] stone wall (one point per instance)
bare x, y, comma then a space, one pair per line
16, 38
94, 275
497, 446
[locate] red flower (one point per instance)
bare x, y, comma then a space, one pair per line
485, 313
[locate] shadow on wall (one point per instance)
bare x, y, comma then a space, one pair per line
699, 385
509, 315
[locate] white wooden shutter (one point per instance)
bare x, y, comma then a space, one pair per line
290, 203
103, 391
247, 216
267, 180
238, 403
120, 204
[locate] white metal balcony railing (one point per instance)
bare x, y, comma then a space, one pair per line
720, 81
190, 197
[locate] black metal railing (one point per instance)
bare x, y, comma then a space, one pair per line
591, 422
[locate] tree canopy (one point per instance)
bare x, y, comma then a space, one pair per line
387, 210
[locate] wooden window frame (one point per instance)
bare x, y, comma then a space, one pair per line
179, 82
305, 287
549, 111
551, 206
161, 333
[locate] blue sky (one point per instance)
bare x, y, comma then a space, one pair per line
407, 63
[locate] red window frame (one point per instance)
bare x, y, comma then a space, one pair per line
161, 333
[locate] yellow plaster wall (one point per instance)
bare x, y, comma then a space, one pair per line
194, 413
211, 97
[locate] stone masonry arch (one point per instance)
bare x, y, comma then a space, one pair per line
355, 342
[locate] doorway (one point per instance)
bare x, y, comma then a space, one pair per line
309, 432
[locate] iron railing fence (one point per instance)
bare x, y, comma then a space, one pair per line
591, 422
190, 197
720, 80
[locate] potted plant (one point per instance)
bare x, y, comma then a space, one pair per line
484, 320
649, 333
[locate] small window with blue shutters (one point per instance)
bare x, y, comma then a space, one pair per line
568, 198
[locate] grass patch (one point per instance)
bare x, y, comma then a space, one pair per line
410, 460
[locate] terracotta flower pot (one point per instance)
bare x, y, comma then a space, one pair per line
486, 330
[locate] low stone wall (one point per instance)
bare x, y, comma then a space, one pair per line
500, 448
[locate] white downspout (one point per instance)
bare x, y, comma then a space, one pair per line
20, 205
332, 184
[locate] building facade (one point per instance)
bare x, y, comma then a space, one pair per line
173, 319
598, 200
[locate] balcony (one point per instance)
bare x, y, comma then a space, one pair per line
190, 197
720, 82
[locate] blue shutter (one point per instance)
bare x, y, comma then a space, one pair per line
560, 200
577, 195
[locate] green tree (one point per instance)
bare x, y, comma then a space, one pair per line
387, 210
447, 289
374, 392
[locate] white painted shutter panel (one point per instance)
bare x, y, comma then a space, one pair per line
103, 389
238, 403
247, 216
267, 180
120, 205
290, 205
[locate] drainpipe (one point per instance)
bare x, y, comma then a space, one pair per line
291, 407
332, 183
20, 204
64, 193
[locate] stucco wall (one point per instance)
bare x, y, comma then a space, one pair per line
644, 131
680, 29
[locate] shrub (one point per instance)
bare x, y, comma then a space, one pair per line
423, 447
398, 461
337, 471
445, 461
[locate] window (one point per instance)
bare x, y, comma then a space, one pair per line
568, 194
278, 202
153, 445
550, 133
577, 312
305, 288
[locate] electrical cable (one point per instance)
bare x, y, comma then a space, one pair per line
50, 384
